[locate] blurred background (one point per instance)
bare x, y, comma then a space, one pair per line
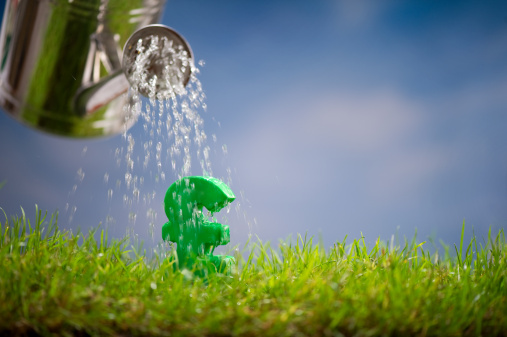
334, 118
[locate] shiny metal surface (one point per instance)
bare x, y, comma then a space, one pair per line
60, 63
170, 69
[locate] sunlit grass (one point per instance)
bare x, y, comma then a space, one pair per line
56, 282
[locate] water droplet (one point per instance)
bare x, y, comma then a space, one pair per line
151, 230
72, 212
128, 179
151, 214
80, 175
135, 193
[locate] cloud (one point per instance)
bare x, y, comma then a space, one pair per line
335, 126
358, 13
404, 171
357, 122
319, 160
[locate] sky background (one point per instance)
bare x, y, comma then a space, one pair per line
339, 118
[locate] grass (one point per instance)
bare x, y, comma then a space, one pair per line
53, 282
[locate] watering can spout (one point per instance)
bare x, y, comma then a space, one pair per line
61, 62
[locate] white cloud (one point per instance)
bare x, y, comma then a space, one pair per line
404, 171
347, 124
337, 144
358, 13
357, 122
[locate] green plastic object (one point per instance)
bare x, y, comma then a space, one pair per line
195, 236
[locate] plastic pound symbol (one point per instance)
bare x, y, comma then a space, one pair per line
195, 236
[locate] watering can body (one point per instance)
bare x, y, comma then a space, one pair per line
60, 63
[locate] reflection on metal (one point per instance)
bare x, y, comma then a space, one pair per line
61, 63
167, 69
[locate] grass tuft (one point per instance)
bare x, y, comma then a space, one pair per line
53, 282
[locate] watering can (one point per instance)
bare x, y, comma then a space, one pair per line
62, 66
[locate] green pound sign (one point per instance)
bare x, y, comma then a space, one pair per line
195, 236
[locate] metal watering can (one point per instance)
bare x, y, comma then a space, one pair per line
62, 68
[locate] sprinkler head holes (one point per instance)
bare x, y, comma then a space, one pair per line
157, 62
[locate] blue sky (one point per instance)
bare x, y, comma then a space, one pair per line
339, 117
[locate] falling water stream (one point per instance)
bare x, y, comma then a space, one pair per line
172, 143
172, 125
